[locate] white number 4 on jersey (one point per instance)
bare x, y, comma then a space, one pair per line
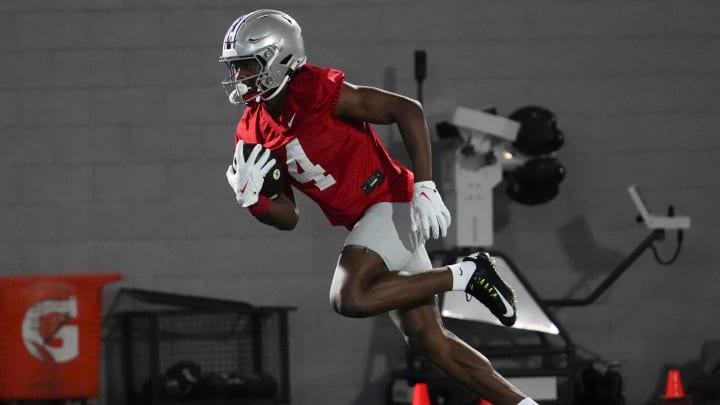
303, 170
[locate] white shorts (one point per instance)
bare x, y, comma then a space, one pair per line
386, 230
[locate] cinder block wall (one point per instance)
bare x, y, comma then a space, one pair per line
115, 135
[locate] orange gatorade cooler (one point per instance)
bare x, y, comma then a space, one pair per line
50, 330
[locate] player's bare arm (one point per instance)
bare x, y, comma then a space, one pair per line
282, 212
378, 106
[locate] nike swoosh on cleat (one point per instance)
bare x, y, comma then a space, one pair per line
509, 311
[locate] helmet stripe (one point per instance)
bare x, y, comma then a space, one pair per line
232, 32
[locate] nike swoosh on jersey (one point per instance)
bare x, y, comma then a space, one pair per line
291, 121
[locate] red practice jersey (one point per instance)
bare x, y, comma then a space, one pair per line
329, 159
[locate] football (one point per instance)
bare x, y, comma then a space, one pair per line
274, 182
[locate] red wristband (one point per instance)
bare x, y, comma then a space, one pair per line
260, 207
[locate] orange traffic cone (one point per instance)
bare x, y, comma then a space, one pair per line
673, 387
421, 396
674, 392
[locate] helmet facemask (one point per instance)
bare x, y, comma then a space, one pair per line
255, 85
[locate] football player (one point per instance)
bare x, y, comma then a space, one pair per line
319, 128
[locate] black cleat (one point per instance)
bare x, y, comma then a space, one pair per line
487, 287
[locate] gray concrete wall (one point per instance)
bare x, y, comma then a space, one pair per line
115, 135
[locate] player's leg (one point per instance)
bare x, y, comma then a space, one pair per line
362, 285
424, 333
382, 240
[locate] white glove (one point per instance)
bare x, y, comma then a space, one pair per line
246, 177
428, 211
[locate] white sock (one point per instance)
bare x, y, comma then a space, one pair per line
461, 273
527, 401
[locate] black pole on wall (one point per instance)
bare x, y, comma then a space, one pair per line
420, 71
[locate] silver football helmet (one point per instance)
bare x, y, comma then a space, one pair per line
271, 41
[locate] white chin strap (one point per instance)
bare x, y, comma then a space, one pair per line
235, 96
241, 89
